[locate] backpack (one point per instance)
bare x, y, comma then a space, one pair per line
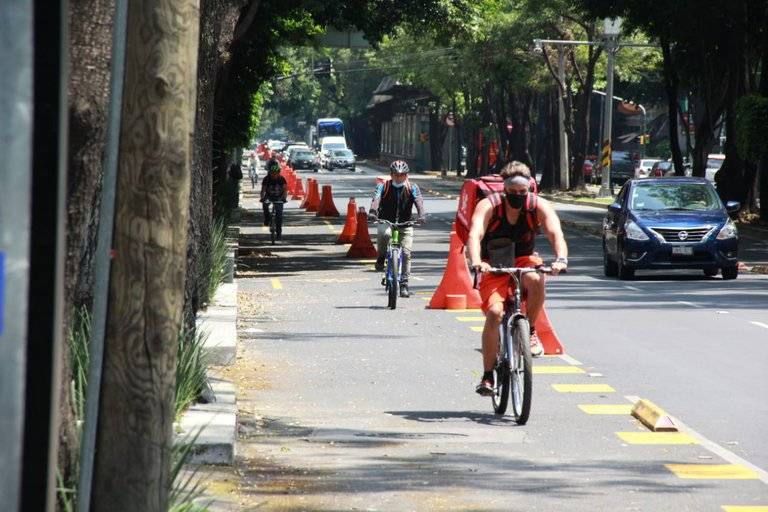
477, 189
388, 186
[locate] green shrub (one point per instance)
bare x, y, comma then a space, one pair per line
214, 276
191, 364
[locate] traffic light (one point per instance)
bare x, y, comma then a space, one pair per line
645, 139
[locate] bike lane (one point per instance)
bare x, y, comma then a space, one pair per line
347, 405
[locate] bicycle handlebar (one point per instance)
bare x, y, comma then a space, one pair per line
398, 224
273, 202
541, 269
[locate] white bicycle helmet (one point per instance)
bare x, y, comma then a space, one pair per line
399, 167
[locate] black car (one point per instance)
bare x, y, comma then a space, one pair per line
302, 159
341, 159
622, 167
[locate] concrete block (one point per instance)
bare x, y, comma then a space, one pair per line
219, 325
226, 295
214, 425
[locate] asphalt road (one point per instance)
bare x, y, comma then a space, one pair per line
346, 405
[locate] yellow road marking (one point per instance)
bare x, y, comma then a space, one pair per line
606, 408
367, 261
557, 369
276, 284
426, 298
656, 438
265, 229
583, 388
745, 508
476, 328
330, 226
470, 318
423, 293
371, 267
712, 471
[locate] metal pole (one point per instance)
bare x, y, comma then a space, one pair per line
610, 49
564, 159
102, 262
16, 106
645, 141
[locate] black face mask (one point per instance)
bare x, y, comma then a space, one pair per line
516, 201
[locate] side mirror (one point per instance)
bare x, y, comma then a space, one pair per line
614, 207
732, 206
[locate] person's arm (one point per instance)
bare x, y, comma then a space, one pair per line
264, 186
418, 200
285, 189
480, 219
550, 224
374, 210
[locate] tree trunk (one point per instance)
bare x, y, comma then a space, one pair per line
133, 456
90, 47
671, 87
519, 106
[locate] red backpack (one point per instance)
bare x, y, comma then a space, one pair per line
477, 189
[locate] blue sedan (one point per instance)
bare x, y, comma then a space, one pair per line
669, 223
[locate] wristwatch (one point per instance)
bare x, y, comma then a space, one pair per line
562, 260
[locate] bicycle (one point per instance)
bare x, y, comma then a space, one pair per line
514, 365
273, 218
393, 272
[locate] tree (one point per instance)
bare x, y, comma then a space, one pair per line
132, 470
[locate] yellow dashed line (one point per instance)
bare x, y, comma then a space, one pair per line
330, 227
606, 408
656, 438
470, 318
367, 261
423, 293
276, 284
745, 508
583, 388
426, 298
557, 369
476, 328
712, 471
464, 310
265, 229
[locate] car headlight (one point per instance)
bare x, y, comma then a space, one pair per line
728, 231
634, 232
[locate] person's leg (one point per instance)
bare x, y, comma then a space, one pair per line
490, 335
533, 284
406, 242
279, 219
383, 234
265, 208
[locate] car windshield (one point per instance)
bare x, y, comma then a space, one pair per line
303, 154
342, 152
674, 196
337, 145
714, 163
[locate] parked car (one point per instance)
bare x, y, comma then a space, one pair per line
644, 165
622, 168
669, 223
302, 158
662, 169
714, 162
341, 159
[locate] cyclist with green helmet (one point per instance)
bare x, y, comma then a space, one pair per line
274, 188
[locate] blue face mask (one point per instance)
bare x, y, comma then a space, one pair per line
398, 185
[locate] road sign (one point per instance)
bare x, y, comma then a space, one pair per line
606, 154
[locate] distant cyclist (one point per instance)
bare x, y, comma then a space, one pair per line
499, 221
393, 200
274, 188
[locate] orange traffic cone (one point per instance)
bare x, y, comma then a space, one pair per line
350, 226
327, 208
305, 202
313, 198
547, 334
298, 191
362, 247
456, 281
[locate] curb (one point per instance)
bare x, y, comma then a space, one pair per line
214, 425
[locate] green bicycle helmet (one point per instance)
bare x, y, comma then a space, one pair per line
273, 166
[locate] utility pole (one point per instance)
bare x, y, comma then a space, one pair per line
611, 31
564, 157
135, 428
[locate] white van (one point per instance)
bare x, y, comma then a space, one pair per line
333, 142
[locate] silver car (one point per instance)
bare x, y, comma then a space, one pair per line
341, 159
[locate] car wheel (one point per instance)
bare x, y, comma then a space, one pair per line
610, 269
730, 272
625, 272
710, 271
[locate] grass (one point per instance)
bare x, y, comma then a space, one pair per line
191, 380
191, 364
214, 276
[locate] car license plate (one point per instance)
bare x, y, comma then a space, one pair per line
682, 251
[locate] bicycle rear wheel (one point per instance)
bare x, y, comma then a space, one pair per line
500, 397
392, 273
521, 370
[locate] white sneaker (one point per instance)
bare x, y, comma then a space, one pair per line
537, 349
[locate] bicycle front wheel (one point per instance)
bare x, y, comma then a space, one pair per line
392, 281
500, 397
521, 370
